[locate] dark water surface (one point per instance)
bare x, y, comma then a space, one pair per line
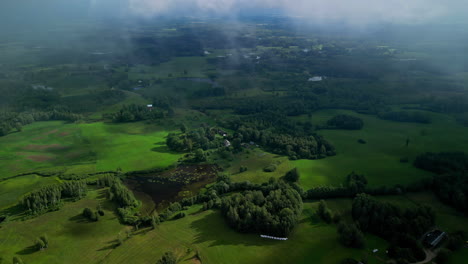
157, 191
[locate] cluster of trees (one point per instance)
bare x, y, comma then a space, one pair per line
13, 120
203, 138
451, 182
42, 242
405, 116
402, 227
134, 112
355, 183
295, 147
50, 197
349, 235
120, 194
275, 212
275, 133
345, 122
91, 215
167, 258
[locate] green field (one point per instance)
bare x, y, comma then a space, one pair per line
74, 240
379, 159
73, 148
255, 161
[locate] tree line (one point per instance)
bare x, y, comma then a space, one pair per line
134, 112
50, 197
345, 122
405, 116
14, 120
451, 181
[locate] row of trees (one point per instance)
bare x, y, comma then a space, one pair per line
13, 120
345, 122
134, 112
126, 201
405, 116
50, 197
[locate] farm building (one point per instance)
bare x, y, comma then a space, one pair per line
316, 79
433, 238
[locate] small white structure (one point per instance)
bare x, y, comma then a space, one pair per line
316, 79
150, 107
305, 50
375, 250
227, 143
275, 238
207, 52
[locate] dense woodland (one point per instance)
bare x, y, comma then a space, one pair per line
274, 211
451, 182
402, 227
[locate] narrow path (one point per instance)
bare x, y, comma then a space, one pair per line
430, 255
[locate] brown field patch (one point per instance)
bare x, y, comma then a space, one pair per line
51, 132
43, 147
39, 158
64, 134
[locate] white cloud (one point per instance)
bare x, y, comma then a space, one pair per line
351, 11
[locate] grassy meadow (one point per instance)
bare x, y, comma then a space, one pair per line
379, 159
84, 147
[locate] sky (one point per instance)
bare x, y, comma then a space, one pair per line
348, 11
358, 12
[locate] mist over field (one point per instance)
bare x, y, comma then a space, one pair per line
233, 131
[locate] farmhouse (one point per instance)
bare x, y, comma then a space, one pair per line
316, 79
433, 238
227, 143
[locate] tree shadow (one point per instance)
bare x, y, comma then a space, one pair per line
111, 245
79, 218
163, 149
102, 194
27, 250
309, 216
207, 227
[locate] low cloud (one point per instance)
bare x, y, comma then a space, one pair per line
349, 11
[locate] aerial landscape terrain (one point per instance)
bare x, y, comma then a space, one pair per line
210, 132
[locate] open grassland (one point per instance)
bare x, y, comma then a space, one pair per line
76, 240
42, 145
206, 232
131, 146
255, 160
73, 239
84, 148
379, 159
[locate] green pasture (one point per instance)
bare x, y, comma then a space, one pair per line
73, 239
379, 159
206, 232
84, 148
255, 161
11, 190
